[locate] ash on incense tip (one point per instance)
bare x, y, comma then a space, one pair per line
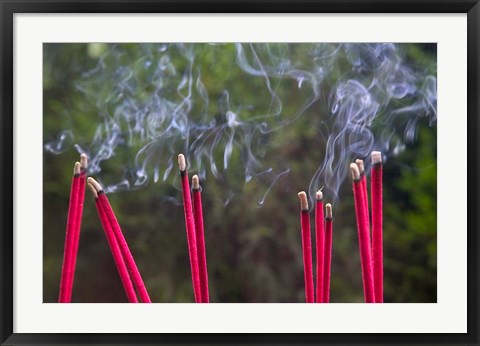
361, 166
319, 195
195, 183
76, 168
95, 184
355, 172
328, 211
181, 162
303, 200
93, 189
83, 161
376, 157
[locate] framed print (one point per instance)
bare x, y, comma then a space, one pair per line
306, 172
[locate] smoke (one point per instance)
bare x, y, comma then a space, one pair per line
163, 99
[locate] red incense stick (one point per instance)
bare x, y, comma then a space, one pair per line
65, 287
320, 244
190, 228
328, 252
116, 252
78, 221
306, 247
377, 224
200, 237
127, 255
363, 238
361, 168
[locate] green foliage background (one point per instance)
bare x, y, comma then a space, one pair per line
254, 253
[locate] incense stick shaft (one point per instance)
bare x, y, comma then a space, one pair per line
377, 230
363, 178
328, 258
200, 238
320, 244
307, 256
365, 203
363, 242
190, 229
127, 255
117, 255
66, 276
77, 227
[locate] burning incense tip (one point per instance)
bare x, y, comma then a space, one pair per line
83, 161
95, 184
361, 165
76, 168
376, 157
93, 189
319, 195
181, 162
195, 182
355, 171
303, 200
328, 211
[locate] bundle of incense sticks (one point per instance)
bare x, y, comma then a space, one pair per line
123, 257
127, 268
371, 250
129, 274
323, 235
72, 235
195, 233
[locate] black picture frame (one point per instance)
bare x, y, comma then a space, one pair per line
10, 7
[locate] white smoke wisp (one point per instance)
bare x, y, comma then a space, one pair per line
171, 98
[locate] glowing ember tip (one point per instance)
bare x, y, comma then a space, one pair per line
76, 168
95, 184
319, 195
328, 211
83, 161
93, 189
195, 182
361, 165
355, 171
181, 162
303, 200
376, 157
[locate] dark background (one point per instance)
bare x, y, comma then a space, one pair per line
253, 249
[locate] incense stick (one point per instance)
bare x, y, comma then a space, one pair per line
115, 249
306, 247
65, 293
200, 238
190, 228
361, 168
328, 252
363, 238
377, 224
78, 219
320, 245
127, 255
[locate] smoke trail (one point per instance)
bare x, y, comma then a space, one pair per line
161, 100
